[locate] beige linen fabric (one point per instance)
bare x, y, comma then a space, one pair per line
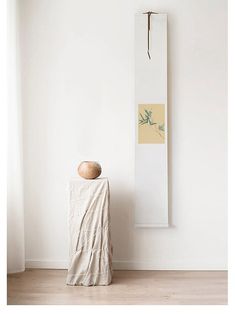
90, 261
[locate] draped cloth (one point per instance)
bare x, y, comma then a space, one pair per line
90, 248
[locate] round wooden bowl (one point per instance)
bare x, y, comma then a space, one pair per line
89, 169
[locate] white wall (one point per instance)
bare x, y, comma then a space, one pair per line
78, 102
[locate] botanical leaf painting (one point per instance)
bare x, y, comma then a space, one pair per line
151, 123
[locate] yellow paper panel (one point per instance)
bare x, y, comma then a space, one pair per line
151, 123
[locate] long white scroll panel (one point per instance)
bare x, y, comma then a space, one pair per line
151, 179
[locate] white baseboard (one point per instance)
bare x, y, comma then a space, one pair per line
137, 225
46, 264
9, 271
117, 265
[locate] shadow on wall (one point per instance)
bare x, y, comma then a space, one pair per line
121, 208
169, 121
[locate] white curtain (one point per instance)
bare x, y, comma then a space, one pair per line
15, 204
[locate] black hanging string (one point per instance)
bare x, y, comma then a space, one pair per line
149, 13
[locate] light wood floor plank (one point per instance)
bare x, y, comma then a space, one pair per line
44, 286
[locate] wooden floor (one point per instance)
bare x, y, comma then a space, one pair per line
38, 286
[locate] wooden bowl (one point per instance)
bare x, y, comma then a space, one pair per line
89, 169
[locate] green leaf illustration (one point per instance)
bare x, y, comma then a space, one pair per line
161, 127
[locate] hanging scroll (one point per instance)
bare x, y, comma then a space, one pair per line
151, 179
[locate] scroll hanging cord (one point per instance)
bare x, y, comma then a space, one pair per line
149, 22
